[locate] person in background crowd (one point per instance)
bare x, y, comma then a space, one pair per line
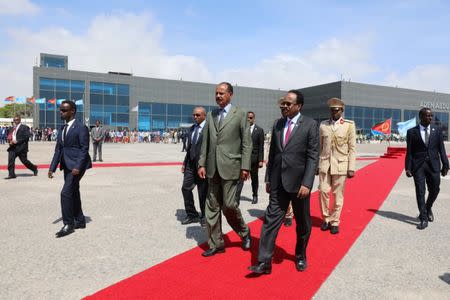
97, 136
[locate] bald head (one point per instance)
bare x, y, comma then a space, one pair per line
199, 114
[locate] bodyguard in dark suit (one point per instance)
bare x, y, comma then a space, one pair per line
72, 155
291, 167
424, 155
18, 147
257, 158
189, 168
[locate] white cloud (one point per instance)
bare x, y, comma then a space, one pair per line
18, 7
122, 42
423, 77
325, 63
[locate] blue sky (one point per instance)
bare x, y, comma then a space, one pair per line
273, 44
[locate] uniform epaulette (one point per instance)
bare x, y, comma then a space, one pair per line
349, 121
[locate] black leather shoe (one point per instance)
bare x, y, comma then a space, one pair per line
334, 229
94, 160
288, 222
35, 172
213, 251
203, 222
189, 220
422, 225
100, 160
255, 200
261, 268
81, 225
11, 177
247, 242
430, 215
66, 230
325, 226
301, 264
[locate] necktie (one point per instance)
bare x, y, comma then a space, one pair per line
221, 112
195, 137
288, 132
65, 132
427, 137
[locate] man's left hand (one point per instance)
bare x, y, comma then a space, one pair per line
244, 175
350, 174
261, 164
303, 192
75, 172
444, 172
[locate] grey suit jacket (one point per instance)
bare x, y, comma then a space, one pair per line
295, 163
227, 149
98, 133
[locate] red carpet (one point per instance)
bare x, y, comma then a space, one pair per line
225, 276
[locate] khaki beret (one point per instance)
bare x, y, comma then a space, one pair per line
336, 102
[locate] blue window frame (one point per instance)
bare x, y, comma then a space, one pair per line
77, 86
46, 84
62, 85
96, 87
123, 89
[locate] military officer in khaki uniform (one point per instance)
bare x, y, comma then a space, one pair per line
337, 163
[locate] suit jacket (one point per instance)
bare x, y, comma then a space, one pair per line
22, 137
73, 153
337, 147
227, 149
257, 145
295, 163
98, 133
417, 152
190, 147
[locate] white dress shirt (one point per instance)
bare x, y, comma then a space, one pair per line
422, 132
293, 124
69, 125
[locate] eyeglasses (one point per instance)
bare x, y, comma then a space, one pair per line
287, 104
250, 118
64, 110
335, 109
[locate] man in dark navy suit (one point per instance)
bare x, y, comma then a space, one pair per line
257, 158
18, 147
72, 155
424, 155
189, 168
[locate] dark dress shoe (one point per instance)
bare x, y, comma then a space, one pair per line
212, 251
94, 160
35, 172
100, 160
247, 242
334, 229
301, 264
189, 220
255, 200
261, 268
81, 225
288, 222
430, 215
11, 177
66, 230
422, 225
203, 222
325, 226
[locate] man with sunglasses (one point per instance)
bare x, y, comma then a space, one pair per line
189, 169
336, 164
72, 155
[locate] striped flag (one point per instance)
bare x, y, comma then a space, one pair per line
21, 99
10, 99
31, 100
79, 102
52, 101
40, 101
382, 128
59, 101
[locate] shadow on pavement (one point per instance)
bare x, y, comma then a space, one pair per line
88, 220
445, 278
396, 216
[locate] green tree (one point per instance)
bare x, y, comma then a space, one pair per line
23, 110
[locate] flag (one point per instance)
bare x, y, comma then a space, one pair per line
52, 101
40, 101
10, 99
136, 108
31, 100
403, 127
59, 101
383, 128
79, 102
20, 99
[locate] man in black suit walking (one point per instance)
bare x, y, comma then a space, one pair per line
18, 147
424, 155
72, 155
189, 168
257, 158
291, 167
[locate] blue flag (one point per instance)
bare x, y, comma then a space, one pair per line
40, 101
403, 127
79, 102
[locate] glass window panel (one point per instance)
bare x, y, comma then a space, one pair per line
62, 95
123, 109
158, 123
109, 88
367, 112
187, 109
174, 109
42, 117
50, 118
123, 100
96, 87
144, 122
46, 94
173, 122
97, 108
144, 108
109, 108
358, 112
46, 83
62, 85
159, 108
77, 86
109, 99
76, 96
53, 62
368, 123
96, 99
187, 119
80, 116
123, 89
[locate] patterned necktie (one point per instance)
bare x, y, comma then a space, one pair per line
427, 136
288, 132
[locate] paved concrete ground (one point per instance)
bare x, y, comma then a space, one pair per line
134, 218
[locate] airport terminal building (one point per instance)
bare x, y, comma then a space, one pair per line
124, 101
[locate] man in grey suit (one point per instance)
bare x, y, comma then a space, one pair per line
291, 167
97, 135
224, 159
